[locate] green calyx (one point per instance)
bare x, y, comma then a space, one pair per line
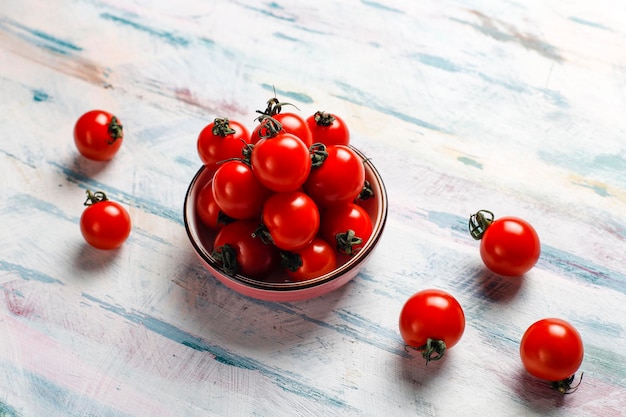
479, 222
93, 198
270, 127
323, 119
346, 242
290, 261
432, 350
318, 154
565, 386
116, 130
221, 127
227, 256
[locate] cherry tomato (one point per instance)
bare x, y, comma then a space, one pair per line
552, 349
339, 179
312, 261
290, 123
98, 135
347, 226
237, 191
292, 220
509, 245
432, 321
221, 140
104, 224
207, 209
328, 129
281, 163
241, 253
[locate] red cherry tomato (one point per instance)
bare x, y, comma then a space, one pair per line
290, 123
281, 163
432, 321
292, 220
104, 224
339, 179
312, 261
207, 209
509, 245
237, 191
241, 253
328, 129
98, 135
346, 226
552, 349
221, 140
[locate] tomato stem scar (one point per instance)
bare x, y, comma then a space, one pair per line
479, 222
115, 129
346, 241
93, 198
221, 127
565, 386
323, 118
433, 350
318, 154
227, 256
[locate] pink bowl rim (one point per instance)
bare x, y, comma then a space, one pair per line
357, 261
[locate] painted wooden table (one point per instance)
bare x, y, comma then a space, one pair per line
517, 107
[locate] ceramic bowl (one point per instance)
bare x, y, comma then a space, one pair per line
275, 288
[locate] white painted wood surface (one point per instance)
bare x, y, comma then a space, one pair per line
514, 106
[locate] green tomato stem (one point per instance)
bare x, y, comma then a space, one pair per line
479, 222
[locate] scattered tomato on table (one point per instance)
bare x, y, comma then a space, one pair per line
509, 246
104, 224
98, 135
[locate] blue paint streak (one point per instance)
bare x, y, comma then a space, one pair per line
145, 204
40, 95
301, 97
280, 35
220, 354
390, 344
24, 201
8, 411
28, 274
40, 38
271, 14
437, 62
588, 23
164, 35
361, 98
470, 162
512, 87
381, 6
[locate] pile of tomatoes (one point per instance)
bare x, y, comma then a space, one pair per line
285, 197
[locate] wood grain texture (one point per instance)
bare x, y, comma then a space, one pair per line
513, 106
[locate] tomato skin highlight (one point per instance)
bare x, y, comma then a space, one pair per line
292, 220
281, 163
255, 259
105, 225
431, 314
318, 258
237, 191
551, 349
98, 135
510, 246
339, 179
214, 148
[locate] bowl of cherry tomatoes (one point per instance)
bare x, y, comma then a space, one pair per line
282, 214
